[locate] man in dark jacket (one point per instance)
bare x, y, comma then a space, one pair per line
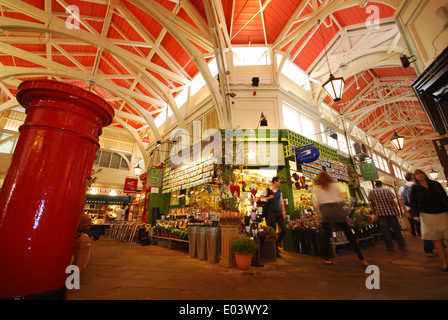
276, 210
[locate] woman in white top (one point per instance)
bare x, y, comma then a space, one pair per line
328, 203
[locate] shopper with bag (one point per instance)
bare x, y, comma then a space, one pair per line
405, 200
329, 208
429, 204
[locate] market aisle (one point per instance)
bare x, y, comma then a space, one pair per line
129, 271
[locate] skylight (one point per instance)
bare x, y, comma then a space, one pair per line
294, 73
251, 56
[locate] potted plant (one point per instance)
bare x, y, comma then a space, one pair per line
244, 248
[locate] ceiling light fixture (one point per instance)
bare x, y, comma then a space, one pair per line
406, 61
397, 141
434, 174
334, 86
137, 170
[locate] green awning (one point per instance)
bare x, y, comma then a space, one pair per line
102, 199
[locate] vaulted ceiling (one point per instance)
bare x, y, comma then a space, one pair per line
138, 55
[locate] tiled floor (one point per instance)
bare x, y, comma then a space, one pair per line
129, 271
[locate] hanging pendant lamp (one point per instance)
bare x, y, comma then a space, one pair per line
397, 141
334, 86
433, 174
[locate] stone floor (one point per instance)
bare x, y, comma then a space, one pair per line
129, 271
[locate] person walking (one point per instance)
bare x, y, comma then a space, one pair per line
383, 204
404, 195
276, 211
329, 208
429, 204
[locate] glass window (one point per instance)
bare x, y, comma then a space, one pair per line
197, 83
333, 143
385, 165
115, 161
326, 112
290, 119
7, 146
251, 56
161, 118
398, 172
97, 157
342, 142
323, 135
307, 128
180, 99
375, 160
105, 159
294, 73
124, 164
213, 66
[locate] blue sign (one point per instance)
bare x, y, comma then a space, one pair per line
307, 154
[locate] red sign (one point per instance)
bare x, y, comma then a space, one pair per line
130, 185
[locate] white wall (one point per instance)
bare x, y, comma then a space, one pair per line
423, 30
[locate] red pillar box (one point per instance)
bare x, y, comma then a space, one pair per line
43, 192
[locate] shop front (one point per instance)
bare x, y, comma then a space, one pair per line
102, 205
214, 192
206, 194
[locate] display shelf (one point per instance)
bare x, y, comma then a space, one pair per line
344, 241
170, 240
188, 176
335, 169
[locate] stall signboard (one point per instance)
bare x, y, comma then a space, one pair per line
130, 185
154, 178
368, 171
307, 154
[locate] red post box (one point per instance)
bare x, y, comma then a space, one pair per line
43, 192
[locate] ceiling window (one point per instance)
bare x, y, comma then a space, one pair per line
251, 56
197, 83
161, 118
295, 74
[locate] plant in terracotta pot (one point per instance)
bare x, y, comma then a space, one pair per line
244, 248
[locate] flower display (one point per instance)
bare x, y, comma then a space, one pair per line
266, 230
311, 222
305, 201
361, 217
